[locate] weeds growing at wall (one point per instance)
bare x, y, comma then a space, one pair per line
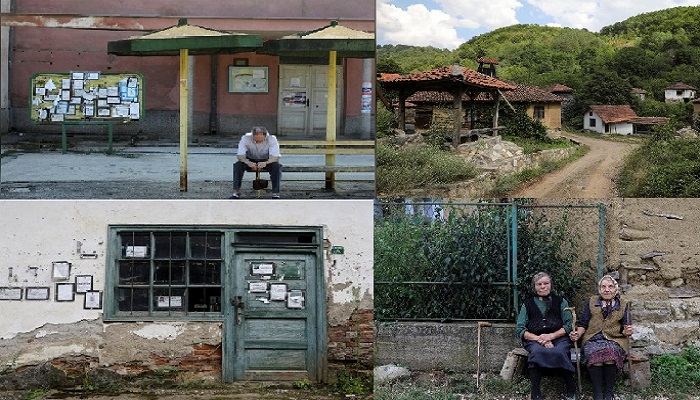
421, 166
677, 374
452, 262
663, 166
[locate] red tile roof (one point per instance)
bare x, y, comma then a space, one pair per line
649, 120
446, 74
487, 61
614, 114
557, 88
521, 94
680, 86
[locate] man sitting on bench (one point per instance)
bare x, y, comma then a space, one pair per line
258, 151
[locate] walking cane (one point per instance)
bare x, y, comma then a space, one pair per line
478, 349
572, 310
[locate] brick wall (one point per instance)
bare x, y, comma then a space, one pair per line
353, 341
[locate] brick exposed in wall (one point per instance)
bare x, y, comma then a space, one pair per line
354, 340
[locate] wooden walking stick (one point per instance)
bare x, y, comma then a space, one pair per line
478, 349
572, 310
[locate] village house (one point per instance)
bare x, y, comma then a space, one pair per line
679, 93
538, 104
618, 119
640, 93
206, 290
249, 62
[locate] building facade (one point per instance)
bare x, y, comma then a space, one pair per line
206, 290
38, 42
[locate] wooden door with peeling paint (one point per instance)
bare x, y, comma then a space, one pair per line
275, 326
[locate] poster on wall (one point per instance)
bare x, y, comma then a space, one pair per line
246, 79
123, 92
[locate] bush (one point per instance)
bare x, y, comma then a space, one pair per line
465, 251
662, 167
385, 120
677, 373
400, 170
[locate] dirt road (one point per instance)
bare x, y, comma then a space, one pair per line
591, 176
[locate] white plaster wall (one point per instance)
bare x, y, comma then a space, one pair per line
35, 233
623, 128
599, 125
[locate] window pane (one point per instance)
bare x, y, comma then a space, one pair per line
205, 272
205, 245
205, 299
132, 299
134, 272
135, 244
169, 272
170, 245
169, 299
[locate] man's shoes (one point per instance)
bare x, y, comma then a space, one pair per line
235, 196
275, 195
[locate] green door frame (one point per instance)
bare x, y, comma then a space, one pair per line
316, 322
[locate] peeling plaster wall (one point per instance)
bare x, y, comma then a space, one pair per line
33, 234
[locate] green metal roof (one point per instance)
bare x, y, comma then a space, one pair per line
346, 41
198, 40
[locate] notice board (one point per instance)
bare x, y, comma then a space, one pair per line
86, 96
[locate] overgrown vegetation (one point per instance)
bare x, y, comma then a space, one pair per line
664, 166
420, 166
462, 255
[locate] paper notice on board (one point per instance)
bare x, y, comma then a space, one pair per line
134, 110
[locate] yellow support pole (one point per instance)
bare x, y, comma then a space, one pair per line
331, 116
184, 91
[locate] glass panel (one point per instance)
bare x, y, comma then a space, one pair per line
135, 244
205, 299
132, 299
205, 245
134, 272
169, 272
170, 245
205, 272
169, 299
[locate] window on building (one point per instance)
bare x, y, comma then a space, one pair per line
591, 122
161, 273
539, 113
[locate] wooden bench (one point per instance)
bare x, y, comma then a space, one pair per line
329, 148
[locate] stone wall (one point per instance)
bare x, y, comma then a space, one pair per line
495, 158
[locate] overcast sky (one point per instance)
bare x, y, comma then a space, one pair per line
449, 23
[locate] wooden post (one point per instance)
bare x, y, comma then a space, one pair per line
331, 116
457, 105
184, 91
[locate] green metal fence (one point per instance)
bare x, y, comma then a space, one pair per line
464, 261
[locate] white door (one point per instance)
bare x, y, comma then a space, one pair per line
303, 100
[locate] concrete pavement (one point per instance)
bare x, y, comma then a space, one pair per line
154, 172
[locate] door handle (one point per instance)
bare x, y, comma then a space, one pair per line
307, 102
238, 305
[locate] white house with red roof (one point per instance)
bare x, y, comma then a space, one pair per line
618, 119
680, 92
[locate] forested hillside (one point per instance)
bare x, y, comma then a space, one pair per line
650, 51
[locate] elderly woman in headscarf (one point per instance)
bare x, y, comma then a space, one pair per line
604, 329
543, 325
